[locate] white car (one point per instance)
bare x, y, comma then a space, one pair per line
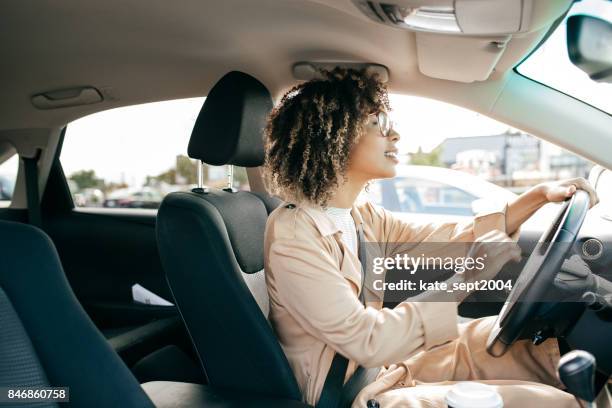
429, 191
432, 193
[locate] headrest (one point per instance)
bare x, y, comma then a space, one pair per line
229, 128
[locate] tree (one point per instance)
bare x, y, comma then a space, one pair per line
427, 159
183, 172
168, 176
86, 179
187, 170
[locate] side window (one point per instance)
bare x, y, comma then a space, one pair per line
9, 164
411, 195
455, 162
132, 157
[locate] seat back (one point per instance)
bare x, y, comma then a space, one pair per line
46, 338
211, 247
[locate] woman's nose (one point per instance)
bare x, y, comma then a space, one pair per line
394, 136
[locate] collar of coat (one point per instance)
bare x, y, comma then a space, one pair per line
324, 223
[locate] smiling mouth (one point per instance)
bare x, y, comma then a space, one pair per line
392, 155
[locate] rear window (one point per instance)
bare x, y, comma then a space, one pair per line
131, 157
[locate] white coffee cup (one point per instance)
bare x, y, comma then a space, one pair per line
473, 395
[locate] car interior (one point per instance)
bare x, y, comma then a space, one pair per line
67, 311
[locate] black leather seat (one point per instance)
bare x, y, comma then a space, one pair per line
46, 338
211, 247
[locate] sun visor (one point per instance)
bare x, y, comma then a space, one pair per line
462, 59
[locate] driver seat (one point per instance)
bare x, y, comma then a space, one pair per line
211, 247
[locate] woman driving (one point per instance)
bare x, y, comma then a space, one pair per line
325, 141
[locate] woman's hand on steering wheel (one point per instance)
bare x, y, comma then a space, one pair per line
557, 191
536, 279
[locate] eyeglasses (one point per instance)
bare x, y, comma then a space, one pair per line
385, 124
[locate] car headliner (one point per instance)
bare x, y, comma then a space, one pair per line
137, 51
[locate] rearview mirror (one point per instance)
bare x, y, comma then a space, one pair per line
589, 45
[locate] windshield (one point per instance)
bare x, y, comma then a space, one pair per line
550, 63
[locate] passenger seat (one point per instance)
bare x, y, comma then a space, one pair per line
211, 247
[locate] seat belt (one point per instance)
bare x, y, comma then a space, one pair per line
362, 260
331, 395
334, 393
31, 178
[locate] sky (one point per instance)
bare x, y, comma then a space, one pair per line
127, 144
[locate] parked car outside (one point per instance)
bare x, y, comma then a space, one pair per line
145, 197
431, 193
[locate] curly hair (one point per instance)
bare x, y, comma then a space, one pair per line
309, 135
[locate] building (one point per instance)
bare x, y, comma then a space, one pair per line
512, 159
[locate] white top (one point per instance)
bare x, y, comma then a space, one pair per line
345, 222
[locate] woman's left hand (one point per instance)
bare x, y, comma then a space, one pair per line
556, 191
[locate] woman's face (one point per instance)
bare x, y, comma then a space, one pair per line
374, 156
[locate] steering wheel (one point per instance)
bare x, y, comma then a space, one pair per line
538, 274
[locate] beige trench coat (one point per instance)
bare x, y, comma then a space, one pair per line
313, 283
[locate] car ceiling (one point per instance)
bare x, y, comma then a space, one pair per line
137, 51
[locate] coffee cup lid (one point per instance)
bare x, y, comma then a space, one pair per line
473, 395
